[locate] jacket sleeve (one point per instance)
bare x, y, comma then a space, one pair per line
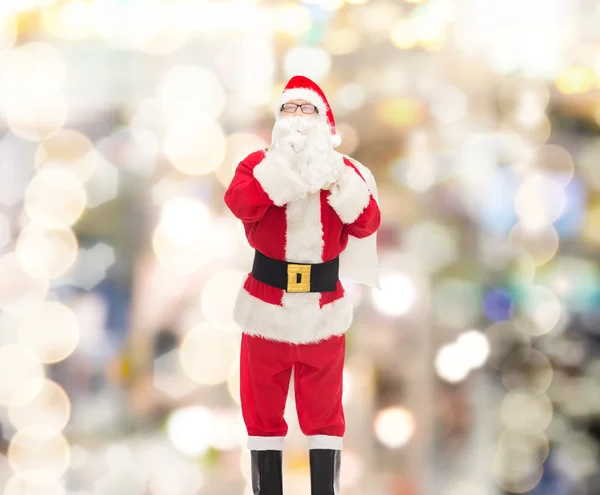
352, 200
245, 197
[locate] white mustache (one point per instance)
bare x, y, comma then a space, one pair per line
297, 132
305, 145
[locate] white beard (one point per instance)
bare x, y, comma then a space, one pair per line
304, 144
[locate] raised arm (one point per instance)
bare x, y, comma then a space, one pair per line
352, 200
260, 182
245, 197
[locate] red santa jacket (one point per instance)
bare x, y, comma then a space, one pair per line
284, 222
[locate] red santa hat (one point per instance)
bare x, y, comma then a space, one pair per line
302, 88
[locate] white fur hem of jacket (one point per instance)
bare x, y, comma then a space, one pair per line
298, 321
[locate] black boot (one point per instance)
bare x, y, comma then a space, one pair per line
267, 478
325, 471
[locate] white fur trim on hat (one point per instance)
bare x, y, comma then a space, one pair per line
336, 140
303, 94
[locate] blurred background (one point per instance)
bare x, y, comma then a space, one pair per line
475, 370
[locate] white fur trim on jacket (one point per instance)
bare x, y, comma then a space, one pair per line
304, 236
279, 181
298, 321
350, 195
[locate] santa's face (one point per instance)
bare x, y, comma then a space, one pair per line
300, 132
303, 141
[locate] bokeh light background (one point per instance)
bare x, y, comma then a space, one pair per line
475, 370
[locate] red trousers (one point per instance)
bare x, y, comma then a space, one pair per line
265, 371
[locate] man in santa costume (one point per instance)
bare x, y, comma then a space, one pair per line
304, 207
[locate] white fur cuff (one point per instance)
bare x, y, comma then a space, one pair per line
280, 183
265, 443
349, 196
325, 442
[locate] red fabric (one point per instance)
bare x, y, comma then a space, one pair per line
265, 226
263, 291
368, 221
265, 370
245, 197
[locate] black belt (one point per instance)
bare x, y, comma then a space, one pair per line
296, 277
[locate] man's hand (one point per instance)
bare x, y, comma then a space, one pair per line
332, 180
327, 181
350, 195
334, 187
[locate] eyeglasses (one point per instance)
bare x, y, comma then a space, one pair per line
291, 108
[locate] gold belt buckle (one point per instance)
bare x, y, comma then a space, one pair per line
298, 278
